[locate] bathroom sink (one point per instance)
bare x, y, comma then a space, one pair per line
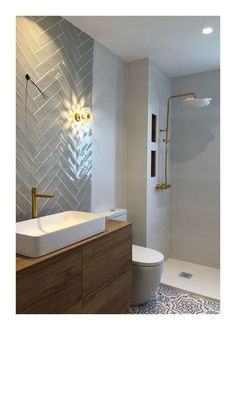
43, 235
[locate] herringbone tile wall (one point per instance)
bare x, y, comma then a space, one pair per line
59, 58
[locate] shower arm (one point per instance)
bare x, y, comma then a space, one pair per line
166, 185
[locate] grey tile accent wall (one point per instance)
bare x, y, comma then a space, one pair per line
59, 58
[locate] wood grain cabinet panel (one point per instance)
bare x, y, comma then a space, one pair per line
52, 286
106, 258
112, 297
91, 276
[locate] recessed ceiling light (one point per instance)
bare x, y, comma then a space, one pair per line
207, 31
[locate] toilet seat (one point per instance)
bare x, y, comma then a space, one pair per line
143, 256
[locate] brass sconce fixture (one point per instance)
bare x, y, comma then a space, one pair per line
192, 101
84, 115
76, 116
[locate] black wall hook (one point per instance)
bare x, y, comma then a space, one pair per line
27, 76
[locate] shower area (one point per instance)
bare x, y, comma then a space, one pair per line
194, 247
173, 173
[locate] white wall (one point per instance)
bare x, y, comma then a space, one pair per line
108, 170
148, 209
195, 155
136, 159
158, 202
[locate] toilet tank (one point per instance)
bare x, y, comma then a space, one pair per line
115, 214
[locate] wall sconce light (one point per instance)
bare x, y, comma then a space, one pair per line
84, 115
76, 116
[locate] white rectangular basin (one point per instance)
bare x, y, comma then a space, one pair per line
43, 235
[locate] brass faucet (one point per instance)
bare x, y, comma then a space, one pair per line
34, 196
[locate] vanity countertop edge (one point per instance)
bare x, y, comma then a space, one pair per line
23, 262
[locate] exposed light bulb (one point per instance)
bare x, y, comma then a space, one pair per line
86, 114
77, 116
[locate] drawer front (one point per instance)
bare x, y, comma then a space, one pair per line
106, 258
112, 298
50, 287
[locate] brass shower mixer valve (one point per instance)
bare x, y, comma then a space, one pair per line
163, 186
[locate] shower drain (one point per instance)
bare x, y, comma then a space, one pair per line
185, 275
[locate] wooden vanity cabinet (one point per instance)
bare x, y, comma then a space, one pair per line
112, 298
91, 276
51, 286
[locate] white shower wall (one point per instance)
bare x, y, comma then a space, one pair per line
158, 202
195, 172
148, 209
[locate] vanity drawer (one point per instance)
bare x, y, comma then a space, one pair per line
52, 286
106, 258
111, 298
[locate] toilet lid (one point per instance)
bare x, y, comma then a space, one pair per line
146, 257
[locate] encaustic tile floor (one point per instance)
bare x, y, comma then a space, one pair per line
168, 300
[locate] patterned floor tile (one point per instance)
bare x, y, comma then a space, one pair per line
168, 300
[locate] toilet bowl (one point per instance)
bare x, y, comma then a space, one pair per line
147, 270
147, 265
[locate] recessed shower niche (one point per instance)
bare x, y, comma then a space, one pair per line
153, 163
154, 128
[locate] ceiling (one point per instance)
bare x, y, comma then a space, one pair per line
175, 43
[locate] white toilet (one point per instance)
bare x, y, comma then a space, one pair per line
147, 264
